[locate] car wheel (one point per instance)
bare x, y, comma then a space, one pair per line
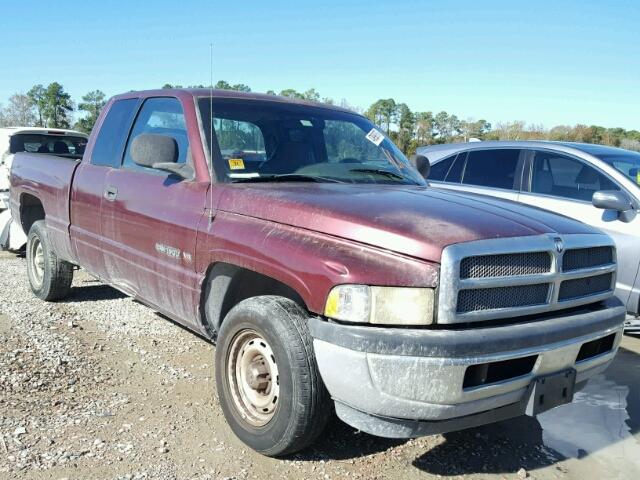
267, 378
50, 278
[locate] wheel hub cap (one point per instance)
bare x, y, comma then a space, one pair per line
36, 253
252, 374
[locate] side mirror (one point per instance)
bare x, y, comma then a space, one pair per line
615, 200
422, 164
159, 152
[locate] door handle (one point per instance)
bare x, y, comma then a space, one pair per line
110, 193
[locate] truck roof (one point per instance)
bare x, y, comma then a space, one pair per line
219, 93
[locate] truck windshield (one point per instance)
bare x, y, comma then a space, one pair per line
65, 145
265, 140
626, 162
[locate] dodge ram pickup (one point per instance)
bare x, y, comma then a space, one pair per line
331, 277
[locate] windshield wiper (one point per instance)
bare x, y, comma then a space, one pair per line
380, 171
287, 177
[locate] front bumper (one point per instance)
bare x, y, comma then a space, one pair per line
409, 382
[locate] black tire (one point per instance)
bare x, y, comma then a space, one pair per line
50, 278
303, 406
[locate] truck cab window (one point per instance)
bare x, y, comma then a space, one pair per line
240, 140
161, 116
65, 145
344, 143
107, 150
269, 141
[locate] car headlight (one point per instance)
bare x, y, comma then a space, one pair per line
381, 305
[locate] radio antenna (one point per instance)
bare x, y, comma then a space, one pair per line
210, 133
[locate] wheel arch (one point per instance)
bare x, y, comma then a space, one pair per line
31, 210
225, 285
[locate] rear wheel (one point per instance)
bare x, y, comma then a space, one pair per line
50, 278
268, 382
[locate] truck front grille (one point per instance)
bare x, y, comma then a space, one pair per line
511, 277
502, 297
578, 258
505, 265
582, 287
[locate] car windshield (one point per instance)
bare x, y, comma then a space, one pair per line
276, 141
626, 162
65, 145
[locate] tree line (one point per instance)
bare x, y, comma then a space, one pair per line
53, 107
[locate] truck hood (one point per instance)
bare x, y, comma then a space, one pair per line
412, 220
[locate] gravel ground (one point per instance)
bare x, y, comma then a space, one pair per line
99, 386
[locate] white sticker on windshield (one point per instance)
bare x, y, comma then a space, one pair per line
375, 137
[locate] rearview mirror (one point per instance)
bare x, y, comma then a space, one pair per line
422, 164
160, 152
615, 200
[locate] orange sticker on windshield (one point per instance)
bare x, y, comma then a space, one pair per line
236, 164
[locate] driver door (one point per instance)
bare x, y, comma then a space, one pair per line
150, 219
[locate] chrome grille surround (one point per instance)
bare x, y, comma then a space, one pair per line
451, 282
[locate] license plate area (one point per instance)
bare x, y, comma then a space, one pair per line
550, 391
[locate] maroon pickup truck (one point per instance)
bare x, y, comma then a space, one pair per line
331, 276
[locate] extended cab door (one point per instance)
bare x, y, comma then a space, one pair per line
150, 219
565, 184
88, 185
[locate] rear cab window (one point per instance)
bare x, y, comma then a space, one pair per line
112, 135
57, 144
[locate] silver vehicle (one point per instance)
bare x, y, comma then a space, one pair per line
595, 184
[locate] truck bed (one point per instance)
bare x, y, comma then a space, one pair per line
47, 178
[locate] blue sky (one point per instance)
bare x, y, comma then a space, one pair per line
547, 62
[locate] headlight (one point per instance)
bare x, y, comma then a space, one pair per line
381, 305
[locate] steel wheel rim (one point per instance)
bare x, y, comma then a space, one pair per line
36, 264
253, 378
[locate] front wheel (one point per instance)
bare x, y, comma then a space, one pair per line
50, 278
268, 382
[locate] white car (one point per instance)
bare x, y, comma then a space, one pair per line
595, 184
66, 143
